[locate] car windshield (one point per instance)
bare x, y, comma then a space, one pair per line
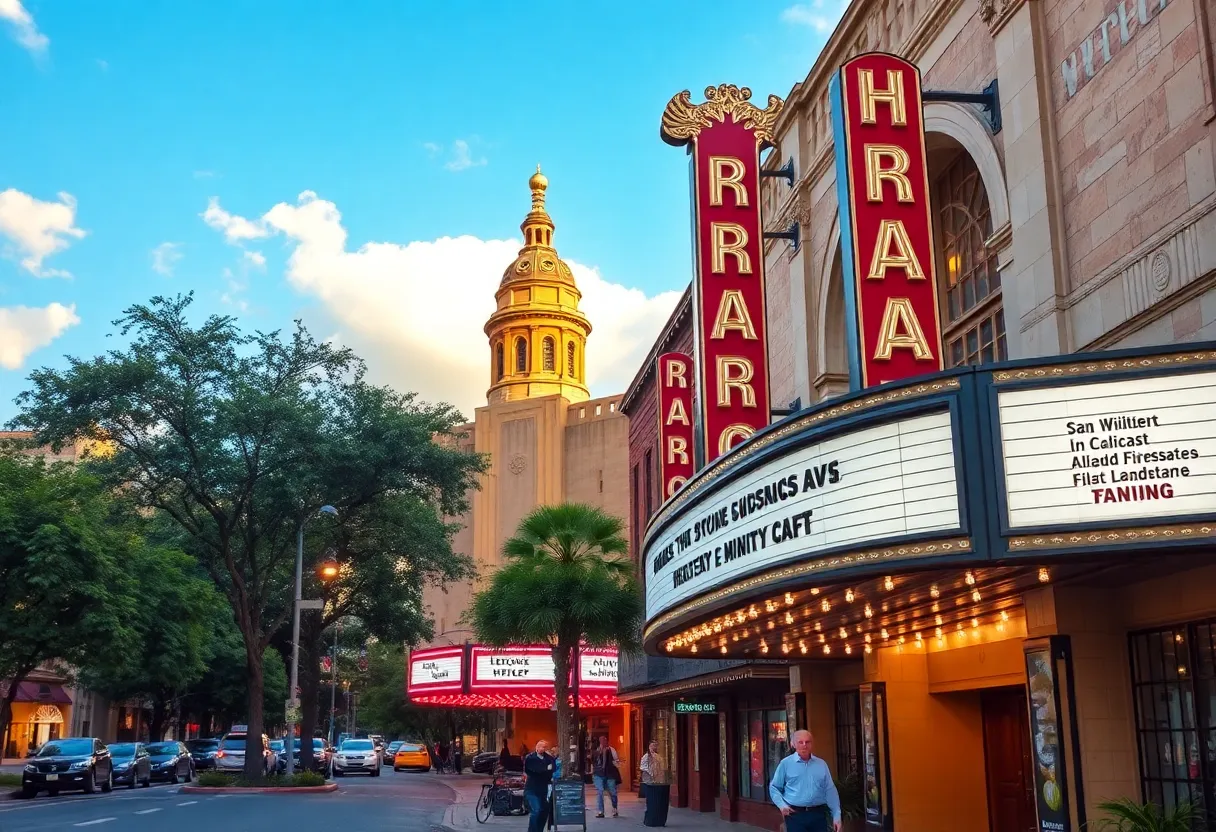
358, 745
201, 745
125, 749
233, 743
277, 745
163, 748
410, 748
66, 748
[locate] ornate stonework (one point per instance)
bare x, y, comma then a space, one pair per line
683, 120
517, 464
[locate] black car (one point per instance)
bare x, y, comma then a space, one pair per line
203, 752
320, 755
484, 762
67, 765
131, 764
170, 761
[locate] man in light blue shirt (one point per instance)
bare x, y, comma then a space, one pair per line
803, 789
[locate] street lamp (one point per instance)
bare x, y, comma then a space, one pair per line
289, 741
327, 571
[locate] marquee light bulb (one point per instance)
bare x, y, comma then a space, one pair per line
933, 591
826, 606
752, 612
843, 632
849, 595
869, 611
670, 647
848, 650
975, 595
884, 634
785, 648
815, 591
1004, 615
867, 638
822, 638
771, 625
975, 623
938, 632
763, 646
869, 649
723, 649
802, 646
818, 626
1044, 575
789, 600
969, 578
937, 619
888, 584
693, 649
789, 619
827, 648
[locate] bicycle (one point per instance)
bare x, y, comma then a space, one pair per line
497, 798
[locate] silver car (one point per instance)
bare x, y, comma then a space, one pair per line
357, 755
231, 755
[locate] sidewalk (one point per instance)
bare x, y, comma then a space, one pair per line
460, 816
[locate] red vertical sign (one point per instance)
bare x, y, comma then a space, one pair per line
676, 465
886, 231
726, 135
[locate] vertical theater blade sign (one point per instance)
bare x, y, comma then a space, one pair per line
726, 135
675, 421
886, 236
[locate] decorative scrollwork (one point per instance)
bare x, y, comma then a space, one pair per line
683, 120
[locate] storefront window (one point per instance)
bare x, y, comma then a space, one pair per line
763, 742
848, 733
1174, 685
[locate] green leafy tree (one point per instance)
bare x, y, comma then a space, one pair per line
63, 593
240, 438
566, 580
172, 618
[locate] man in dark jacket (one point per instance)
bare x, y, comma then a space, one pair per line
538, 766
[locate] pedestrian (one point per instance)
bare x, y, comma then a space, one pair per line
457, 755
437, 758
653, 770
605, 773
802, 788
538, 768
504, 756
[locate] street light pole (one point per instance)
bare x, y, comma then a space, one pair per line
290, 739
333, 684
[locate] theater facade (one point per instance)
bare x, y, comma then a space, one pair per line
976, 532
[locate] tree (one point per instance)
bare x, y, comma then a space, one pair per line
63, 595
390, 549
566, 581
240, 438
174, 635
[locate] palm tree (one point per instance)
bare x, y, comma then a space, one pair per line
567, 580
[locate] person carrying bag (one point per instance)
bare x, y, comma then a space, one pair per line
606, 773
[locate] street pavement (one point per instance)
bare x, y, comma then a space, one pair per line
398, 801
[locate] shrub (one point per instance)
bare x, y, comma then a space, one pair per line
306, 778
214, 779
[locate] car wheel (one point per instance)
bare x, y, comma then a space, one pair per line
90, 782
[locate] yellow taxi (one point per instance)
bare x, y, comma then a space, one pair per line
412, 755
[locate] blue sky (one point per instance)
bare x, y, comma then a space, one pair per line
361, 166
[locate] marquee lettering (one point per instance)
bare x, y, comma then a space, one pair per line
735, 246
892, 233
719, 179
901, 330
677, 450
892, 95
733, 315
677, 413
735, 373
897, 173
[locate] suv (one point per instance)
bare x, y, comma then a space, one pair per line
231, 754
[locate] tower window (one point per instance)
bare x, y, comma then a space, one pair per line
521, 355
570, 359
547, 356
499, 362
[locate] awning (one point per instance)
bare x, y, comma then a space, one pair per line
43, 692
709, 680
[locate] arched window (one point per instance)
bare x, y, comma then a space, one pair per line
570, 359
521, 355
499, 362
548, 357
974, 319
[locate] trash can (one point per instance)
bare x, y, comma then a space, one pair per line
658, 796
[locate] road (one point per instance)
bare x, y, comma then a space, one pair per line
398, 801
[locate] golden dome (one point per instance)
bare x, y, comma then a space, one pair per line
538, 258
537, 334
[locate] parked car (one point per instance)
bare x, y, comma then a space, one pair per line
231, 755
203, 753
320, 756
69, 764
357, 755
484, 762
412, 755
171, 761
131, 764
390, 750
279, 747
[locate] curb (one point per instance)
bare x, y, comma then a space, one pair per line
328, 787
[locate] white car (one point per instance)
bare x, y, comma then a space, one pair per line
231, 755
357, 755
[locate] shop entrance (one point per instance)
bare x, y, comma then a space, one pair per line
1007, 759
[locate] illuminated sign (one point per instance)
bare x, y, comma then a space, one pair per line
886, 235
726, 135
1119, 450
851, 490
675, 421
435, 670
598, 669
683, 706
513, 668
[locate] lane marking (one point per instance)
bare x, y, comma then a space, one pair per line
188, 803
94, 822
146, 811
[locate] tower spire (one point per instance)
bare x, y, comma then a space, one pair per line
537, 226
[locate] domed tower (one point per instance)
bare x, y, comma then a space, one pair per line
537, 333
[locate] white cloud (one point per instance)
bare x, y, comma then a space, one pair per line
460, 158
235, 228
25, 30
820, 15
165, 257
37, 229
415, 311
24, 329
256, 258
